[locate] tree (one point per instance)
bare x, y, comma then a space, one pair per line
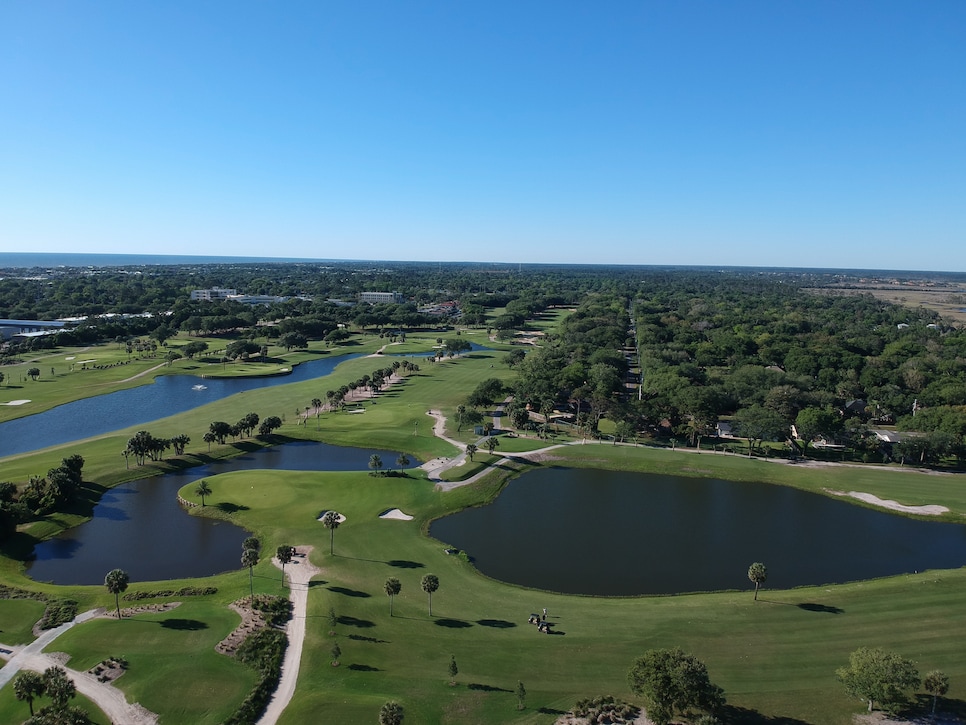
27, 686
813, 422
936, 684
336, 654
521, 693
33, 373
402, 461
202, 489
252, 542
878, 676
249, 558
331, 521
375, 463
460, 412
491, 443
333, 620
393, 587
284, 555
453, 670
671, 682
758, 574
317, 404
391, 714
58, 686
116, 582
430, 584
271, 423
471, 450
2, 378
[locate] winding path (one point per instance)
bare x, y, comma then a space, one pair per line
107, 697
300, 572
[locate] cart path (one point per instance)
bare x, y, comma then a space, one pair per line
107, 697
300, 572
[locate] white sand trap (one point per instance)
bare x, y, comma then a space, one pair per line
17, 402
931, 510
341, 517
395, 514
69, 357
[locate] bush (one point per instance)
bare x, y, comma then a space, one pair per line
263, 651
58, 611
277, 610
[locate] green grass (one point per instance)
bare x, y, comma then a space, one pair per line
17, 617
172, 665
773, 656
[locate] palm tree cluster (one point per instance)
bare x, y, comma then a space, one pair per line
374, 382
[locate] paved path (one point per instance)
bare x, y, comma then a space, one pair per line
300, 571
107, 697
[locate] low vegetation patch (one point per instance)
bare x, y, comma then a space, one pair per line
276, 610
158, 593
263, 651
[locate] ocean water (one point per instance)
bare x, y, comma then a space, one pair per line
50, 260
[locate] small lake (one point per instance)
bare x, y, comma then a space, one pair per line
141, 528
585, 531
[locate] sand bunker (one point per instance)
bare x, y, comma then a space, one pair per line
341, 517
931, 510
395, 514
17, 402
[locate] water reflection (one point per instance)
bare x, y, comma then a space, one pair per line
139, 526
609, 533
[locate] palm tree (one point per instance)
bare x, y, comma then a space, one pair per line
393, 587
491, 443
430, 584
331, 521
202, 489
317, 404
252, 542
453, 670
471, 450
27, 686
391, 714
284, 556
758, 574
403, 460
460, 412
375, 463
58, 686
250, 559
116, 582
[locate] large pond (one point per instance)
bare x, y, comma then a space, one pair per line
141, 528
608, 533
167, 395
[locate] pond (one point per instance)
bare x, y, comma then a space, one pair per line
584, 531
141, 528
167, 395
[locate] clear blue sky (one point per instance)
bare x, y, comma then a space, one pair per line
822, 134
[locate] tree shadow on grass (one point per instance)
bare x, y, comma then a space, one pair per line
551, 711
486, 688
364, 668
452, 623
496, 623
230, 508
813, 607
353, 622
363, 638
350, 592
404, 564
184, 625
945, 707
317, 583
744, 716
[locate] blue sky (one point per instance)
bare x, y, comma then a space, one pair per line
823, 134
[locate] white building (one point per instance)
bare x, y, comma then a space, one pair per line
215, 293
382, 298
